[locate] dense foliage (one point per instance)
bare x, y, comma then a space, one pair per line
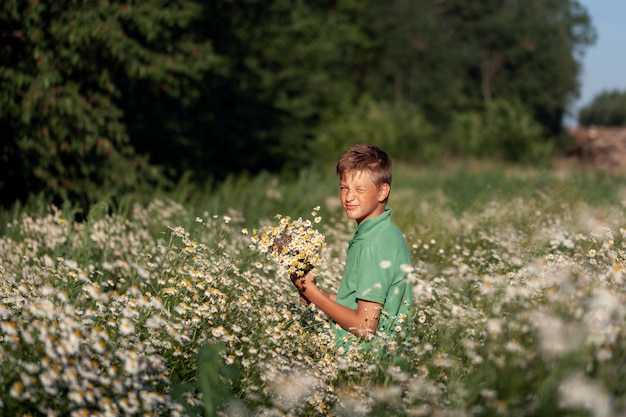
606, 109
116, 95
68, 71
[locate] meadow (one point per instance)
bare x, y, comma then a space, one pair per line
162, 308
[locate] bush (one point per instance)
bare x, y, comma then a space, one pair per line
506, 130
66, 75
607, 109
400, 129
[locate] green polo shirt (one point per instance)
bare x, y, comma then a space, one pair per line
376, 267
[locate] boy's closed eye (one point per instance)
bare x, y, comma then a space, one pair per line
358, 190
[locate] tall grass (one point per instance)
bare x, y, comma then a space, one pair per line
163, 309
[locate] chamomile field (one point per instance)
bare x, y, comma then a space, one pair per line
166, 307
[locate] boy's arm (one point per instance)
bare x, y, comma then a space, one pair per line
304, 300
330, 295
362, 322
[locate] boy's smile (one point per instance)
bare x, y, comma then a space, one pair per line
362, 199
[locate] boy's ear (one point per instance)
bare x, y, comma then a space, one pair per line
383, 193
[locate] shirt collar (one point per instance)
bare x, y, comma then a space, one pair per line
370, 224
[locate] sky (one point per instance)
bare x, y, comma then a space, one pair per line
604, 63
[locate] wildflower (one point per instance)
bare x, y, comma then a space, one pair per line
489, 393
126, 326
70, 376
99, 346
142, 272
72, 343
92, 290
179, 231
291, 388
78, 397
49, 380
62, 296
441, 360
579, 392
129, 405
131, 363
513, 346
457, 311
71, 264
295, 245
494, 327
219, 331
9, 328
16, 389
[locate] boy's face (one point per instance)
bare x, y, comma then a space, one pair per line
360, 196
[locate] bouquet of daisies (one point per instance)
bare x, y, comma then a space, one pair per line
295, 245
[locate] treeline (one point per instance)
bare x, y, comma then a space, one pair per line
608, 108
101, 98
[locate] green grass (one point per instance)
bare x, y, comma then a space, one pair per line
458, 187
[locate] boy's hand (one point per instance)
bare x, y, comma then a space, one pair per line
299, 283
302, 282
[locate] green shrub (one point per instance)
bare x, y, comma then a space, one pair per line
398, 128
506, 130
607, 109
65, 82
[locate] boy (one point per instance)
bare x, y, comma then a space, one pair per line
373, 294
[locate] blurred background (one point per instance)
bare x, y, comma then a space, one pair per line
100, 100
604, 62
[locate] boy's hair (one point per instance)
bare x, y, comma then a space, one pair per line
364, 157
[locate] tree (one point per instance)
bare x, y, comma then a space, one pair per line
606, 109
412, 58
66, 68
288, 65
446, 55
104, 95
543, 70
